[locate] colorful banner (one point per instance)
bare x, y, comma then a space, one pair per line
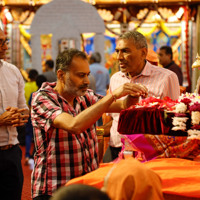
46, 46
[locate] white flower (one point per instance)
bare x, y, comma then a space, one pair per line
181, 108
193, 134
195, 117
179, 123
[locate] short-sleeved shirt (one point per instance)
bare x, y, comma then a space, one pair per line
101, 76
50, 76
60, 155
29, 88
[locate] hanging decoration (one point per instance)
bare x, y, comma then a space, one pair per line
46, 46
24, 38
169, 32
143, 19
160, 24
149, 32
187, 46
26, 45
159, 15
106, 15
4, 21
110, 30
24, 33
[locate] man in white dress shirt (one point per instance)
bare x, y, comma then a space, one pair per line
131, 52
13, 113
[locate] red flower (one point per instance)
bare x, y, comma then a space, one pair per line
195, 107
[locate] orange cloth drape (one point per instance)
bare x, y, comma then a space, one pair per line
94, 178
179, 176
128, 180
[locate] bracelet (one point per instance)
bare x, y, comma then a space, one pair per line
113, 96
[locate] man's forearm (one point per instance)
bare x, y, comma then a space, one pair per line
84, 119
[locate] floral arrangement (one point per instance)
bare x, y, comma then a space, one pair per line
186, 107
188, 103
166, 103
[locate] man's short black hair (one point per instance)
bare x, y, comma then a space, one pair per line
64, 59
50, 63
96, 57
168, 50
32, 74
40, 79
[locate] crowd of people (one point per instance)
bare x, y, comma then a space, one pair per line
60, 110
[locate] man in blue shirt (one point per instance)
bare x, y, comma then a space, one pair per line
100, 74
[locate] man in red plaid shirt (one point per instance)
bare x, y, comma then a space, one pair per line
63, 116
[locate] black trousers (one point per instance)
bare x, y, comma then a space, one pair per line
11, 174
111, 154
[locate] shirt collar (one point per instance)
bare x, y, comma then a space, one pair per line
145, 72
169, 64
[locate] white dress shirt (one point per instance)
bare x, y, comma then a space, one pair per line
160, 82
11, 94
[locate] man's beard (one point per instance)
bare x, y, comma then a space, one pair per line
76, 91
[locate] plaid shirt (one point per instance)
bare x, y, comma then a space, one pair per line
60, 156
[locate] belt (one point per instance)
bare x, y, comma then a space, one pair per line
6, 147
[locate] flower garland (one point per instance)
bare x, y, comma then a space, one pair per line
187, 46
160, 24
188, 105
169, 32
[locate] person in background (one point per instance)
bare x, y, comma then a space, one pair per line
92, 84
29, 128
79, 191
13, 113
100, 73
29, 88
131, 50
101, 76
63, 115
49, 71
166, 60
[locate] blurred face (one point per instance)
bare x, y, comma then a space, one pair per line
131, 60
76, 80
3, 45
164, 59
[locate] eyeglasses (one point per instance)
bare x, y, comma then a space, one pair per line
3, 42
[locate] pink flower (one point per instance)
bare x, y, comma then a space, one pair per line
195, 107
